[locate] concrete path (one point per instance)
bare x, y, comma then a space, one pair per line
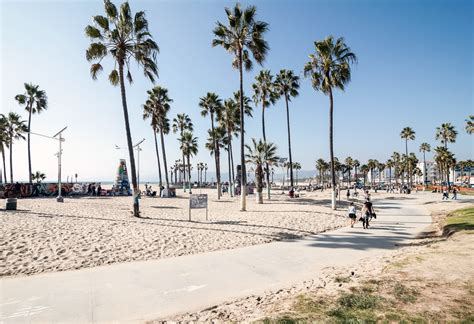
140, 291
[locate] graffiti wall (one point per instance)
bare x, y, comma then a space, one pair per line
25, 190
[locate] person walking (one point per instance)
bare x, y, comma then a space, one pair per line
445, 194
366, 213
352, 213
455, 194
348, 194
99, 190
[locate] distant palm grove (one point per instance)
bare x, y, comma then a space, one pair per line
121, 38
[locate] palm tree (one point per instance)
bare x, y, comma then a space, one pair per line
259, 154
381, 168
445, 160
181, 124
329, 67
356, 164
389, 164
364, 169
4, 142
15, 128
446, 133
35, 102
297, 167
425, 147
242, 36
189, 147
38, 176
287, 85
407, 134
211, 105
396, 161
470, 124
228, 120
217, 138
263, 92
349, 164
321, 166
124, 38
157, 107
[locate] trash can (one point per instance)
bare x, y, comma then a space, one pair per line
11, 204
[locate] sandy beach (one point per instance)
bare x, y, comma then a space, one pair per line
46, 236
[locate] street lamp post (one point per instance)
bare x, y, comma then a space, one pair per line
137, 147
60, 139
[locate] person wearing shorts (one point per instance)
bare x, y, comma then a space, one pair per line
352, 213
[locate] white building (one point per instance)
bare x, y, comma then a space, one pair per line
432, 172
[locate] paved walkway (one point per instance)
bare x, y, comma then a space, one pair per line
140, 291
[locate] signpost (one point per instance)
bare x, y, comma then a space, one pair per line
197, 202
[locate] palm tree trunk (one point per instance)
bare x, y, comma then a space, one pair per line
189, 176
4, 165
424, 171
267, 169
29, 150
232, 162
331, 150
158, 158
136, 210
230, 170
259, 183
11, 160
289, 140
216, 158
243, 184
349, 184
407, 162
164, 158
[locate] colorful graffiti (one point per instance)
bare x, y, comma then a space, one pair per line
25, 190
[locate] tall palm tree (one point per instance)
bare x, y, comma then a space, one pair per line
297, 167
349, 164
259, 154
181, 124
157, 107
372, 164
228, 120
15, 129
263, 93
425, 147
243, 35
35, 101
470, 124
189, 147
396, 161
364, 169
124, 37
211, 105
330, 67
38, 176
407, 134
287, 85
446, 133
389, 164
445, 160
4, 143
381, 168
321, 166
356, 164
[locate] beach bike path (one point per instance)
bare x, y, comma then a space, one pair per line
145, 290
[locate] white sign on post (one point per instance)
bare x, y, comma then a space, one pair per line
197, 202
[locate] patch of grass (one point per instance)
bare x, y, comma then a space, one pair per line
307, 305
285, 319
404, 293
340, 279
459, 220
358, 300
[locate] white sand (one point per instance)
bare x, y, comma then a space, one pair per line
45, 236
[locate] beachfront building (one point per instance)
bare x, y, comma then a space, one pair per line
432, 172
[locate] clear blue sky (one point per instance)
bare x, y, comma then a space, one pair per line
415, 69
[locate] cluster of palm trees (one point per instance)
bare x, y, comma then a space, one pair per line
14, 128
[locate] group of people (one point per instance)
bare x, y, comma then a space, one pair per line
92, 190
446, 194
366, 214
